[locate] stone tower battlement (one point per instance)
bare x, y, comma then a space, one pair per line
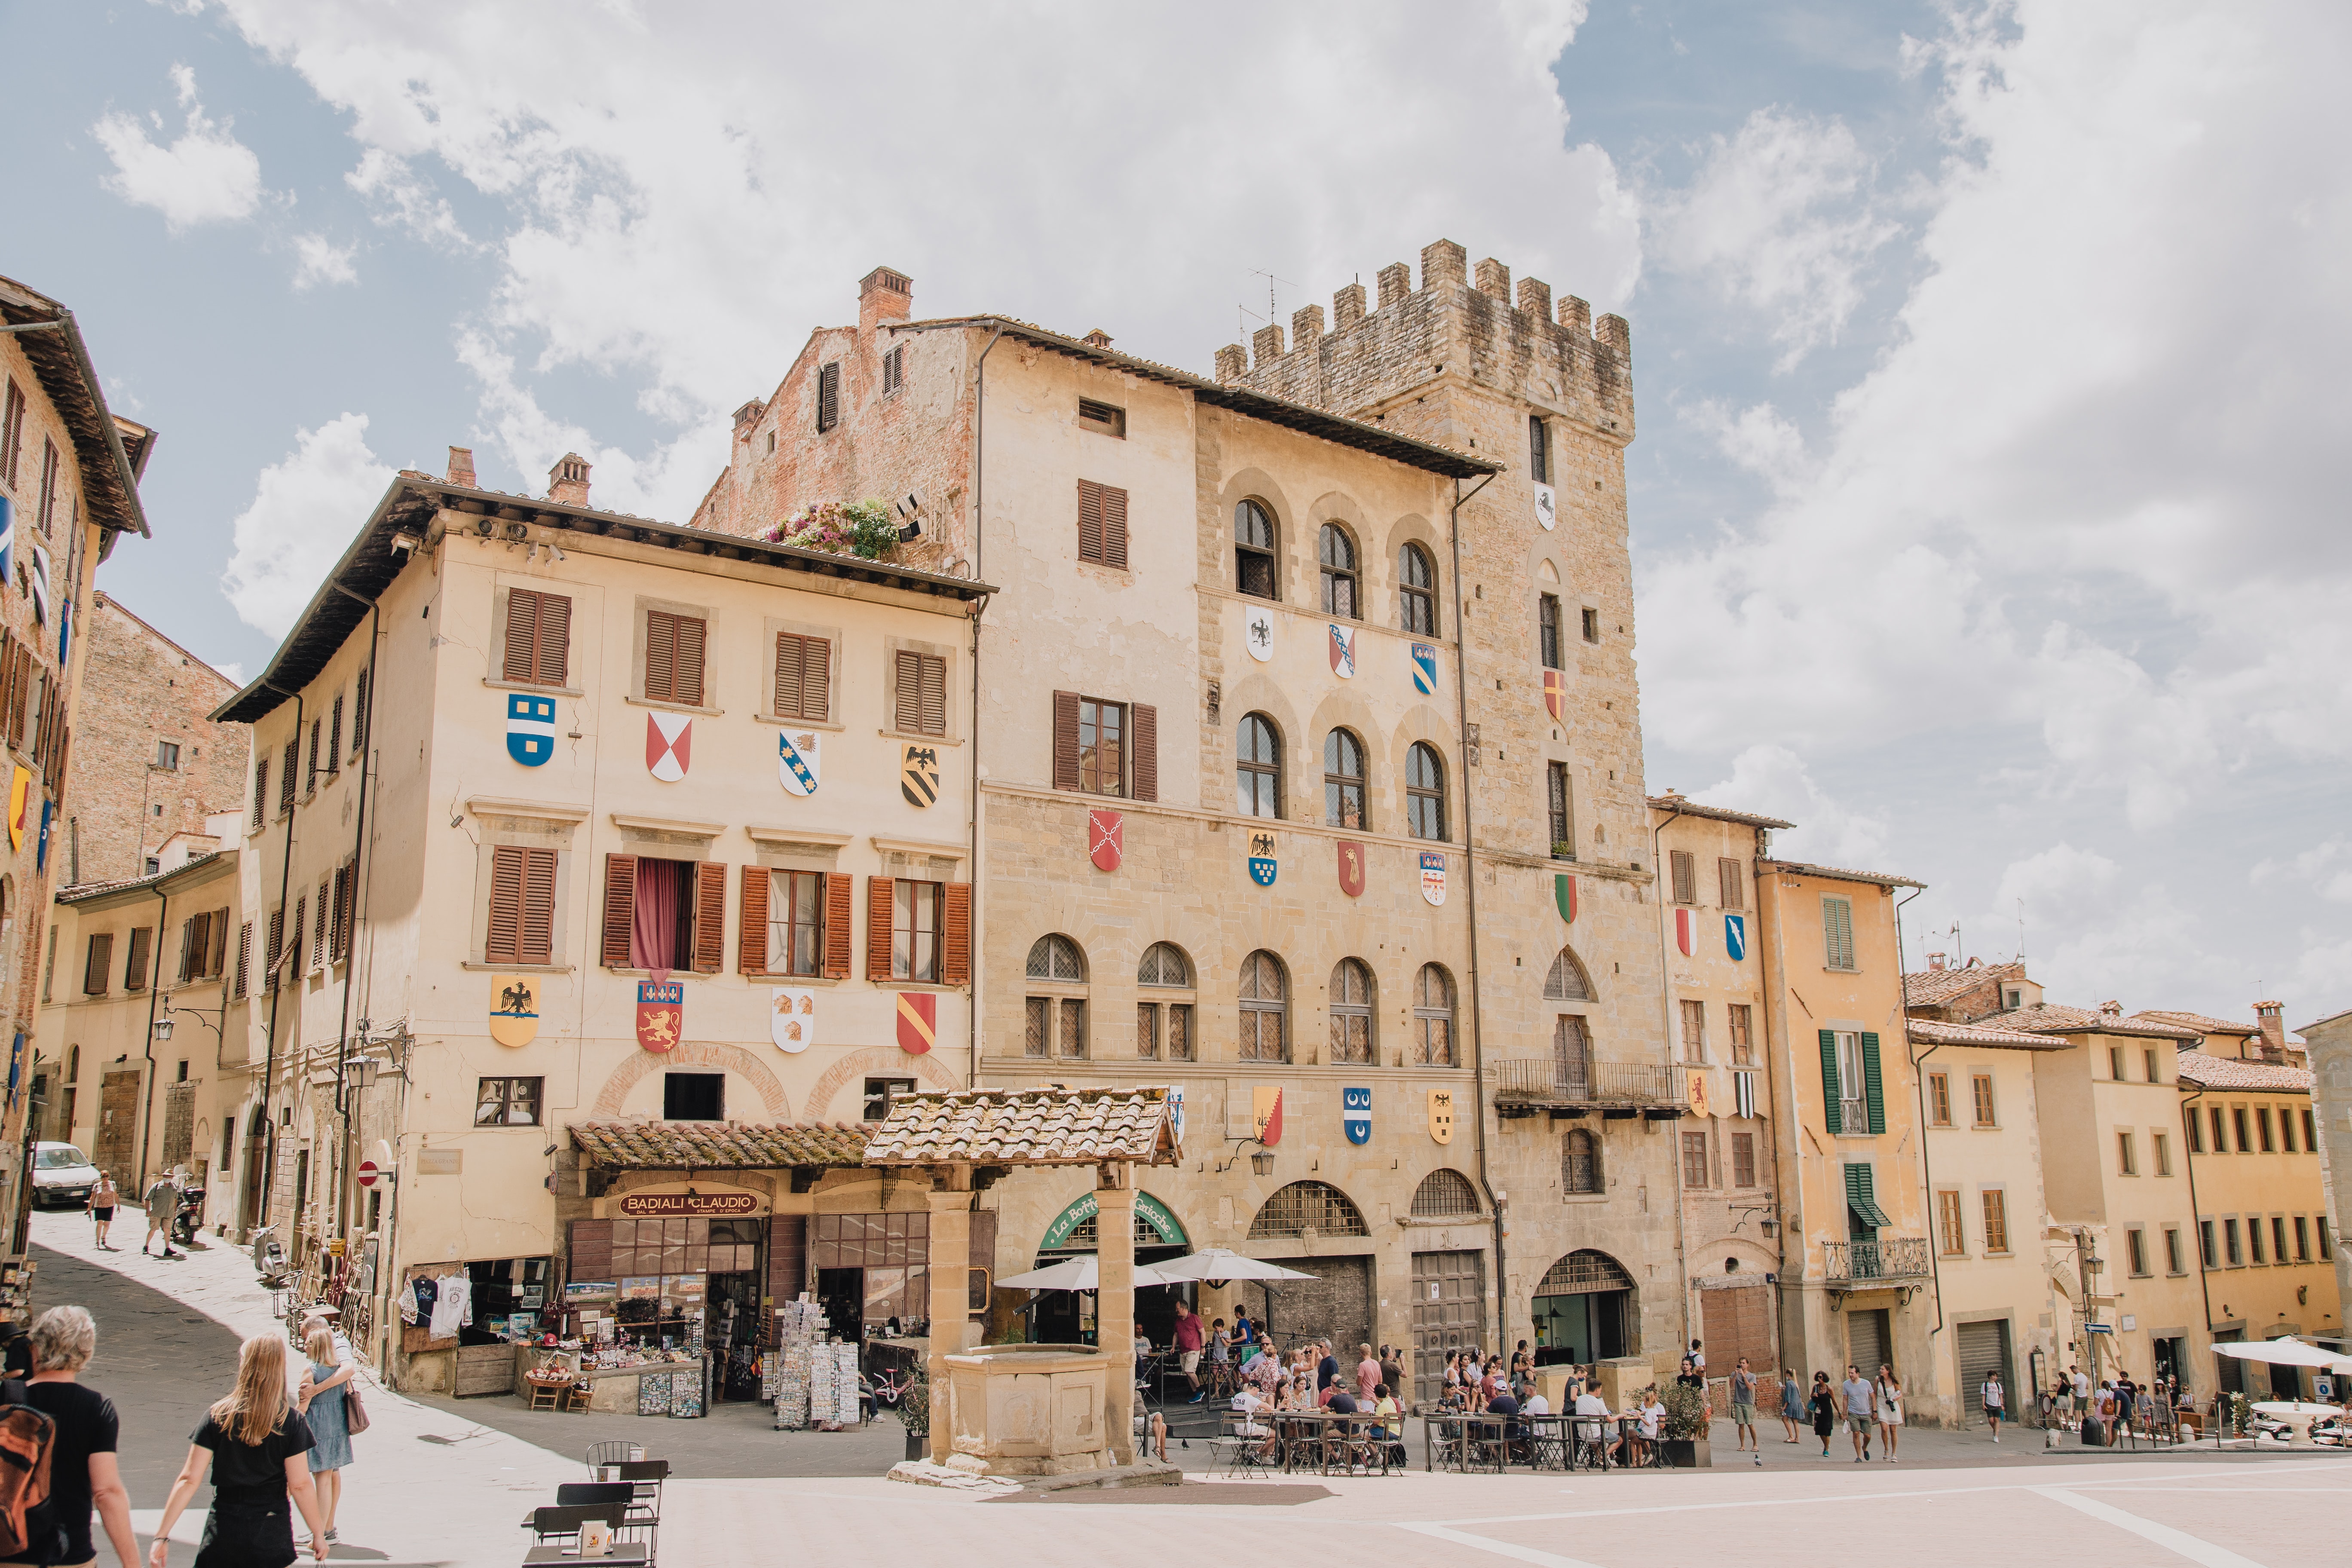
1455, 327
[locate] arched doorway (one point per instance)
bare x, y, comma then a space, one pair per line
1338, 1301
1067, 1316
1584, 1309
256, 1153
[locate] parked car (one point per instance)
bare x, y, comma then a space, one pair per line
62, 1176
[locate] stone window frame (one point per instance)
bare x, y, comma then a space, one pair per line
892, 647
712, 665
772, 627
517, 823
494, 656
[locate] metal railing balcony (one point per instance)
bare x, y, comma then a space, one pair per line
1538, 1084
1898, 1258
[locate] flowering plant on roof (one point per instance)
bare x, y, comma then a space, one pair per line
864, 529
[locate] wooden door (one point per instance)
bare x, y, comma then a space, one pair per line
1449, 1304
118, 1129
1737, 1321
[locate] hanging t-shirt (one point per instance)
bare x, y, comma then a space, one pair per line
449, 1306
408, 1302
427, 1290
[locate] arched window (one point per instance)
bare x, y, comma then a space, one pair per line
1057, 999
1424, 792
1337, 552
1567, 981
1265, 1002
1257, 768
1417, 582
1252, 551
1444, 1194
1343, 779
73, 1069
1302, 1206
1433, 1016
1351, 1015
1580, 1163
1163, 1021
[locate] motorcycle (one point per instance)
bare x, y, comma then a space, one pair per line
270, 1259
189, 1218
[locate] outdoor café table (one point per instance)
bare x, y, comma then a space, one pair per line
2299, 1416
1551, 1442
624, 1555
1470, 1434
1311, 1433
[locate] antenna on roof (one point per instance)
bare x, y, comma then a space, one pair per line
1270, 282
2020, 930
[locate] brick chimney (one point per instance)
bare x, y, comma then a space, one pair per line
567, 482
461, 467
2273, 1031
1097, 339
1935, 963
884, 296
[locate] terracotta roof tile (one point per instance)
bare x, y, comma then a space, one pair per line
2050, 1019
2205, 1025
1027, 1127
1838, 873
1928, 1031
718, 1145
2227, 1072
1671, 802
1934, 987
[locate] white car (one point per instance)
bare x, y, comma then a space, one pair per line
62, 1176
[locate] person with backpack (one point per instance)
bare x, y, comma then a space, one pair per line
81, 1474
254, 1441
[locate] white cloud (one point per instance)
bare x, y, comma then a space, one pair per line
1772, 781
404, 200
206, 175
2091, 937
1780, 217
300, 521
2326, 868
318, 260
1758, 438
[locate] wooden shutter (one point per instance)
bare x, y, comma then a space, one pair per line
286, 784
335, 736
275, 951
840, 892
1829, 1079
537, 942
244, 957
877, 928
906, 701
522, 634
935, 695
260, 790
690, 637
710, 916
1872, 1089
620, 909
674, 658
955, 937
1090, 521
219, 955
816, 679
359, 713
102, 962
191, 945
751, 942
828, 396
1066, 739
1114, 527
506, 906
1145, 720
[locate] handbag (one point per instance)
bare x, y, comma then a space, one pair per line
355, 1415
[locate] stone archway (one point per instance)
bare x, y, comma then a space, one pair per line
614, 1094
879, 1064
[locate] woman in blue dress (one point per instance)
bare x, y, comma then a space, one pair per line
330, 1422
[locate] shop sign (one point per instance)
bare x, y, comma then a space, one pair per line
661, 1014
698, 1201
514, 1009
1155, 1215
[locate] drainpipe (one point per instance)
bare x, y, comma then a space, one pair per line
979, 556
269, 1051
349, 913
1470, 878
1666, 1010
155, 988
1927, 1169
2196, 1236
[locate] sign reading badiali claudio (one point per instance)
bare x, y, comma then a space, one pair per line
690, 1199
791, 1017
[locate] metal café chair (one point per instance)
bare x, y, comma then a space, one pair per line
561, 1524
613, 1453
619, 1495
646, 1476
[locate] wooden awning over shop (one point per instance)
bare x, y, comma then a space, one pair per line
718, 1145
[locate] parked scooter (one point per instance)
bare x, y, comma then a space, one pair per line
189, 1218
270, 1259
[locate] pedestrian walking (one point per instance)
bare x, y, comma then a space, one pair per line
1392, 1368
1994, 1401
84, 1474
1823, 1402
1188, 1340
253, 1441
323, 1405
162, 1203
1888, 1391
1743, 1409
1859, 1414
103, 1198
1368, 1374
1792, 1403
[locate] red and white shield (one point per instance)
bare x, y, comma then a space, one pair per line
1351, 868
669, 745
1555, 689
1686, 931
1107, 839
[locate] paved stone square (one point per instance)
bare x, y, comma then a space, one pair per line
446, 1481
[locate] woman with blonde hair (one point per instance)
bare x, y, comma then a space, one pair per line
323, 1407
257, 1439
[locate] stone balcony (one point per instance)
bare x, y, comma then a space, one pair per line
1862, 1265
1574, 1088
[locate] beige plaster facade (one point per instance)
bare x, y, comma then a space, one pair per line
2329, 1042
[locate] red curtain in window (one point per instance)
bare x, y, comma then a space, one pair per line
653, 931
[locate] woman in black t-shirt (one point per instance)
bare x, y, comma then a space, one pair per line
254, 1441
83, 1474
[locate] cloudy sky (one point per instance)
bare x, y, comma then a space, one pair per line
1990, 358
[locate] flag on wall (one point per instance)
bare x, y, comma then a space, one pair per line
1743, 1092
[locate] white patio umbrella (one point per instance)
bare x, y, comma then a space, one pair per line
2286, 1352
1078, 1273
1215, 1263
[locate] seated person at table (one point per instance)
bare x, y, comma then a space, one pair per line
1391, 1419
1247, 1404
1536, 1404
1339, 1402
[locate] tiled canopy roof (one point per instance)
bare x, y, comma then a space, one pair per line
718, 1145
2227, 1072
1928, 1032
1671, 802
1933, 987
2206, 1024
1839, 874
2050, 1019
1026, 1127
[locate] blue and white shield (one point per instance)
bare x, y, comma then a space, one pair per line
1735, 936
1425, 668
797, 761
1262, 865
531, 728
1356, 1114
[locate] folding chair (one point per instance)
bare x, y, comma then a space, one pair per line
618, 1499
646, 1476
614, 1453
561, 1524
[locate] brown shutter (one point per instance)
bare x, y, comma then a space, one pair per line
877, 928
840, 893
506, 906
791, 676
690, 630
286, 784
1146, 720
816, 678
661, 656
220, 942
908, 703
710, 916
554, 664
244, 957
620, 909
935, 696
190, 939
537, 942
955, 955
1066, 739
828, 396
260, 790
1090, 521
1114, 527
522, 634
751, 942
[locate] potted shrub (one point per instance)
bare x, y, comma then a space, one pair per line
864, 529
1683, 1434
915, 1414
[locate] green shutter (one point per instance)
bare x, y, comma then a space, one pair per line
1830, 1078
1872, 1088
